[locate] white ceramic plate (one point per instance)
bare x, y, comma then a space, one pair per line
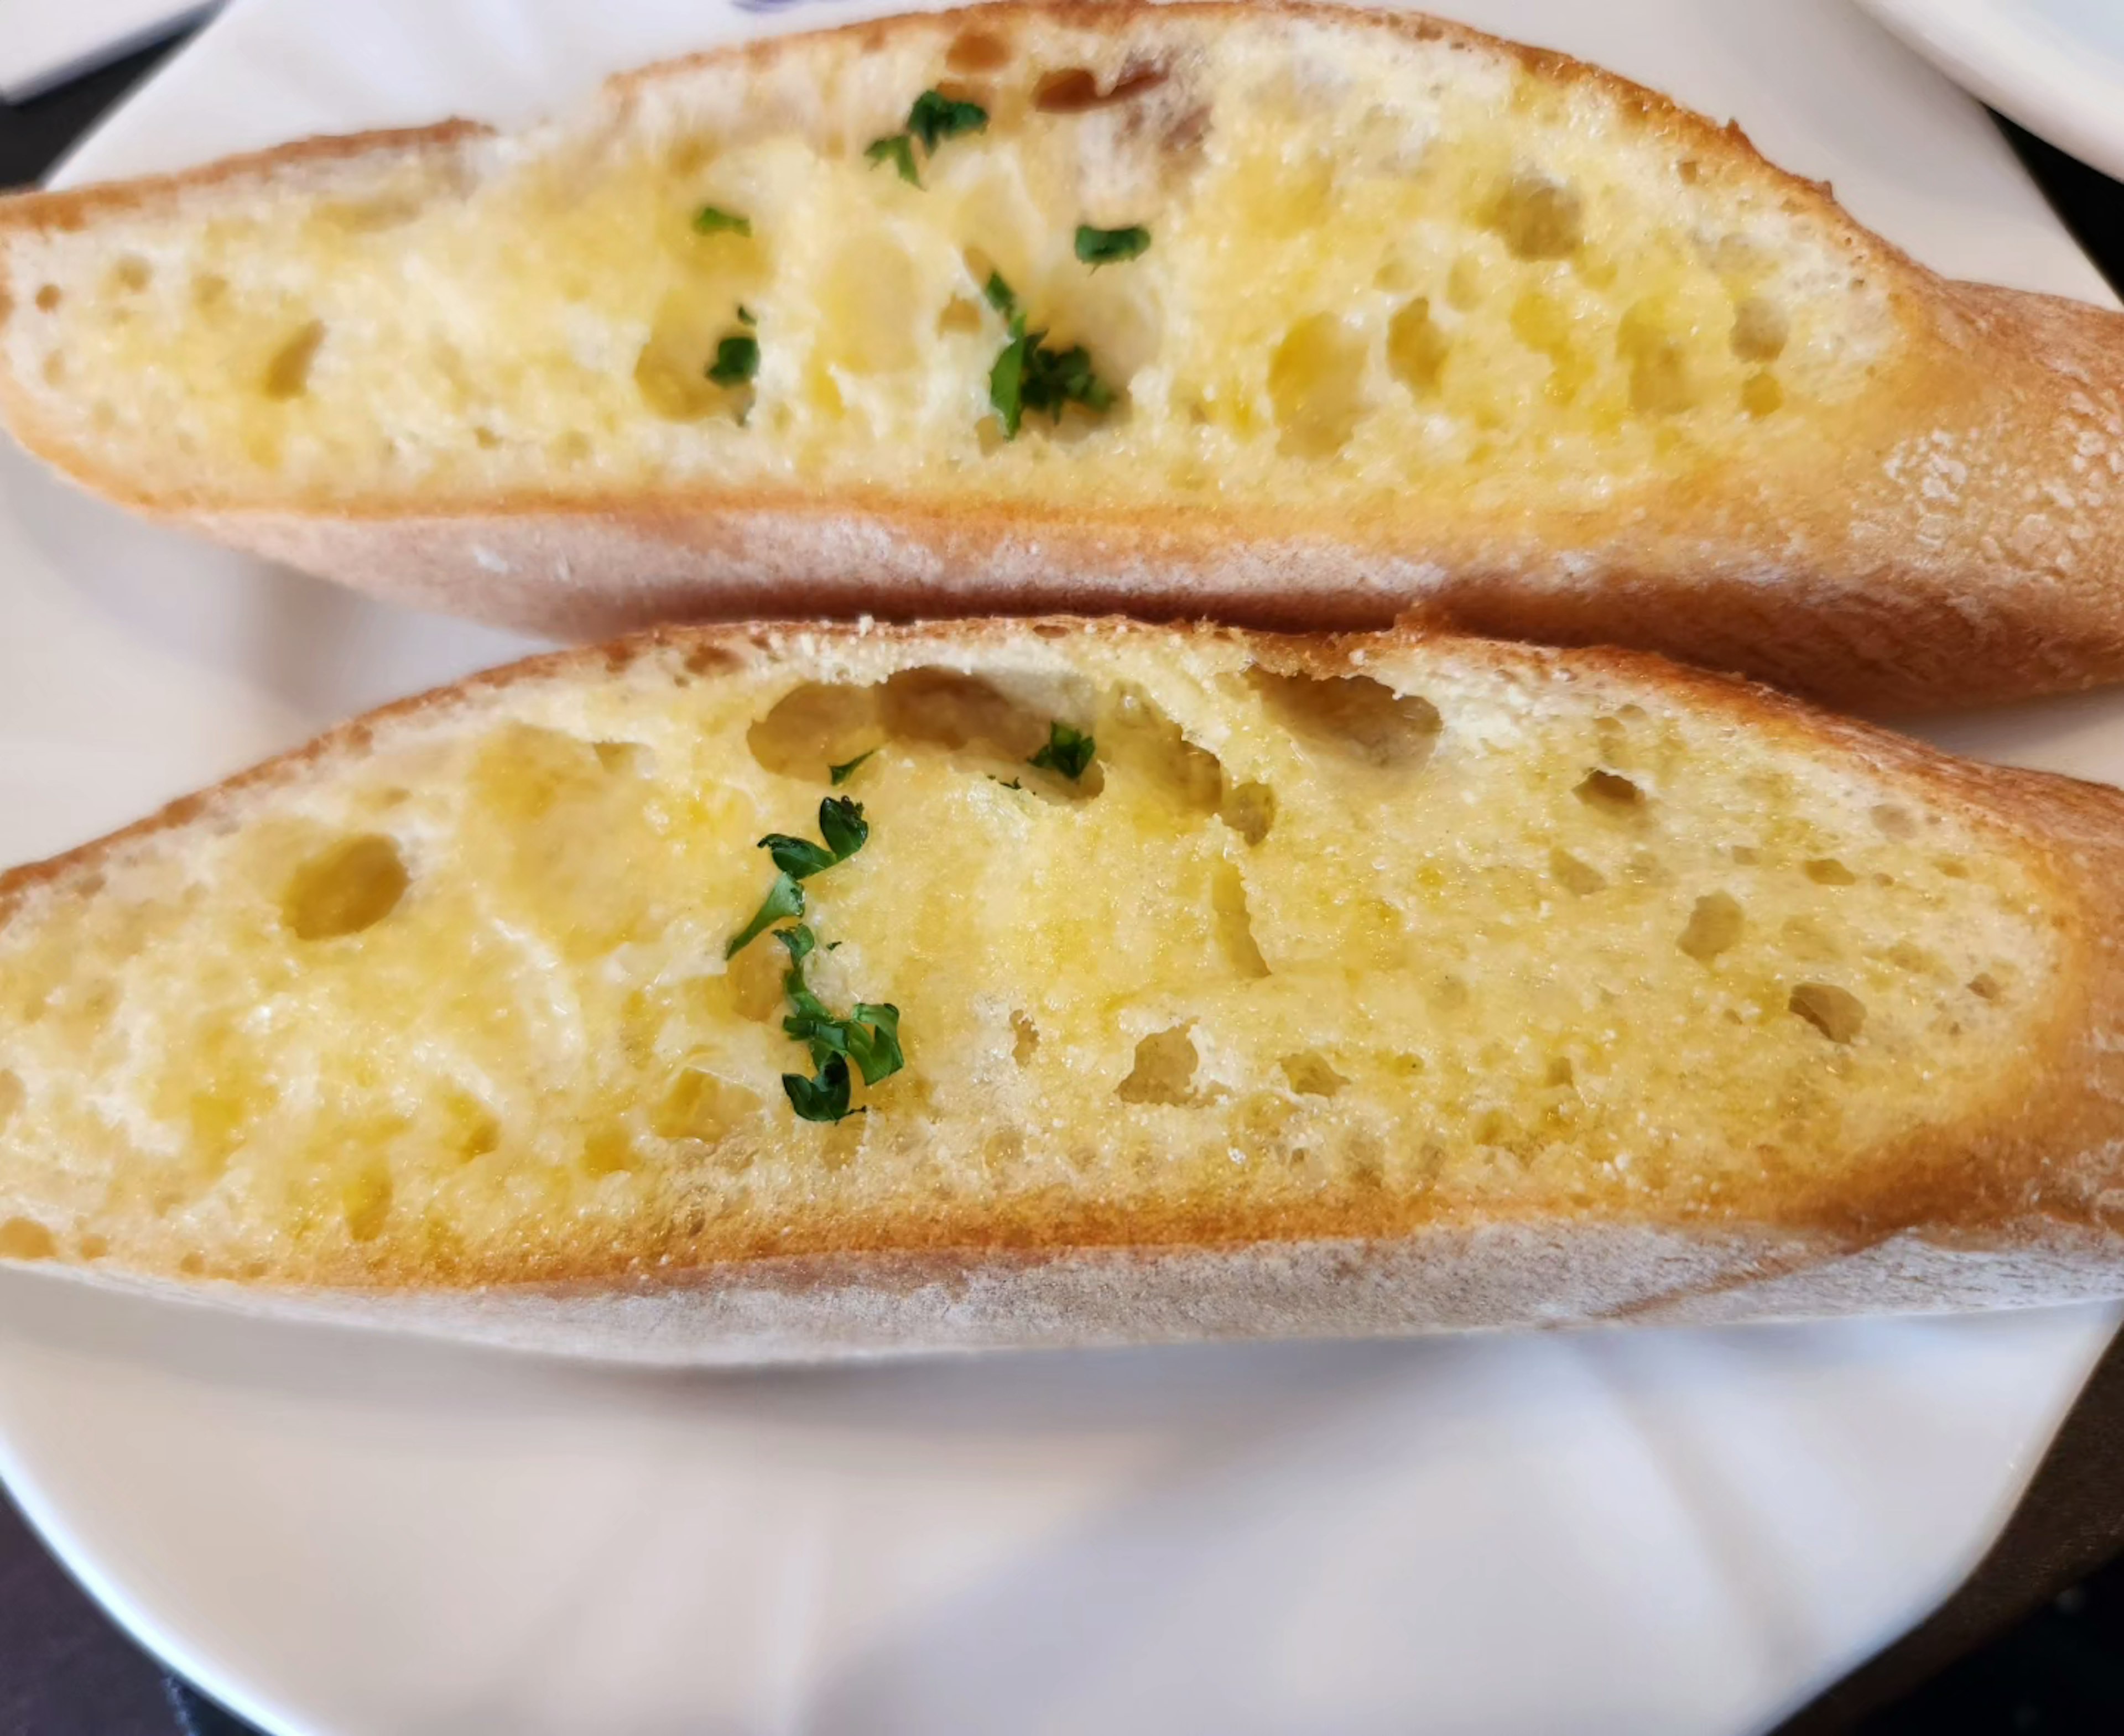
2056, 66
1644, 1532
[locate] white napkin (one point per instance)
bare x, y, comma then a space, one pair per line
46, 42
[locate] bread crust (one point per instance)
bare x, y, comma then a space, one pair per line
1957, 543
2022, 1202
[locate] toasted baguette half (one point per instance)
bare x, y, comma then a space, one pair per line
1418, 318
1375, 984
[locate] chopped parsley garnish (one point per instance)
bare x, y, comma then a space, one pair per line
825, 1098
1029, 376
997, 295
737, 360
784, 898
899, 150
869, 1036
935, 118
842, 773
842, 825
1098, 247
745, 316
714, 220
1069, 752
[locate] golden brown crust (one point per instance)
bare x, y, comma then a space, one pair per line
1957, 543
2033, 1183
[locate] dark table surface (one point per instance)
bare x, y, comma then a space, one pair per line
2033, 1642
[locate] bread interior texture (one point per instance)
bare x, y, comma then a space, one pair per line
1334, 944
1374, 268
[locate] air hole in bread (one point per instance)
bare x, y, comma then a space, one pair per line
1906, 956
1760, 330
1249, 810
1352, 716
945, 709
93, 1246
1837, 1013
49, 297
1024, 1038
1559, 1072
1761, 395
131, 273
1579, 878
1894, 821
704, 1106
1072, 90
473, 1131
24, 1238
959, 314
626, 759
1416, 348
365, 1200
288, 371
819, 725
1661, 380
209, 290
977, 51
11, 1094
608, 1151
1539, 217
1714, 926
756, 977
1235, 928
1985, 986
1316, 384
1827, 871
1134, 733
814, 727
1541, 323
1311, 1075
54, 368
1611, 794
348, 888
1164, 1070
1464, 285
671, 372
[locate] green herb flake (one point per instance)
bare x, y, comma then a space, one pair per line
1098, 247
935, 117
737, 360
997, 295
899, 150
785, 898
714, 220
825, 1098
842, 773
842, 824
873, 1034
1069, 752
745, 316
1028, 376
1007, 379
